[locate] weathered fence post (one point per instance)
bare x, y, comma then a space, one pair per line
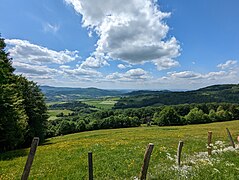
30, 158
230, 137
145, 166
90, 164
209, 142
179, 152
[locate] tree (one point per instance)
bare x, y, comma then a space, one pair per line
168, 116
13, 119
23, 112
35, 108
213, 115
196, 116
6, 69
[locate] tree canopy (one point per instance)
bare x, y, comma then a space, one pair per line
23, 112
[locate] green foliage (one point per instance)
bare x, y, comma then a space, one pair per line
6, 68
196, 116
35, 109
219, 93
168, 116
13, 119
66, 127
22, 107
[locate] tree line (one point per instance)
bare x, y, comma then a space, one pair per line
162, 115
23, 113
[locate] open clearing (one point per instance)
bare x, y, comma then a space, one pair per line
118, 154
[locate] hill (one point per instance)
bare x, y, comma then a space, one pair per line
69, 94
121, 155
217, 93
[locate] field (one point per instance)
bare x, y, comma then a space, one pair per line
53, 113
105, 103
118, 154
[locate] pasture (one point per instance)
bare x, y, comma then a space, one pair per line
104, 103
118, 154
53, 113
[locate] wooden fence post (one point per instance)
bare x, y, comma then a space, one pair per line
30, 158
179, 152
230, 137
209, 142
145, 166
90, 164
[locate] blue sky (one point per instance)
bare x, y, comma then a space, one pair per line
121, 44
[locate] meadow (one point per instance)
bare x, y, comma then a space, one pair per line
53, 113
118, 154
102, 103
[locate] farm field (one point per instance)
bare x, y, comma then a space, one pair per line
53, 113
118, 154
105, 103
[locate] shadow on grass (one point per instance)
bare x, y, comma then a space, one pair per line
10, 155
46, 142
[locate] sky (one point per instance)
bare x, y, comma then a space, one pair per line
123, 44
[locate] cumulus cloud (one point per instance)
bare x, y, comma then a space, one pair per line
166, 63
123, 66
64, 67
185, 74
227, 64
137, 74
133, 31
82, 72
190, 75
38, 70
24, 51
92, 62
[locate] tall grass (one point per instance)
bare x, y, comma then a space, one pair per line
118, 154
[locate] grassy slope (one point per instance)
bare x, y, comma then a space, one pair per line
118, 154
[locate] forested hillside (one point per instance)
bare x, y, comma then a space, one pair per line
218, 93
69, 94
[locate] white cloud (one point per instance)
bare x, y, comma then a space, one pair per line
137, 74
92, 62
185, 74
190, 75
64, 67
24, 51
165, 63
133, 31
123, 66
53, 28
227, 64
38, 70
82, 72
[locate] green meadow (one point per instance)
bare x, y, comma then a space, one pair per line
105, 103
53, 113
118, 154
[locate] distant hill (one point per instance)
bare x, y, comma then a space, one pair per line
69, 94
217, 93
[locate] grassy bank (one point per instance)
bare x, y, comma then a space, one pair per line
118, 154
